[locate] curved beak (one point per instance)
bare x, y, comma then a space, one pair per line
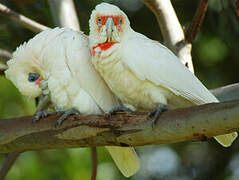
109, 27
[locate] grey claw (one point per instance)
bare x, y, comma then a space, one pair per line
157, 112
42, 114
119, 109
66, 114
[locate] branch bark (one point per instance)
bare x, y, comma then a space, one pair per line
21, 20
171, 30
122, 129
12, 157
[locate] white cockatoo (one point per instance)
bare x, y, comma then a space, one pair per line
143, 73
61, 57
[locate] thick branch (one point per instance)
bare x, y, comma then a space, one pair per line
122, 129
171, 30
21, 20
12, 157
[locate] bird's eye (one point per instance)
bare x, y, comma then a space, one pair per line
98, 21
120, 21
32, 77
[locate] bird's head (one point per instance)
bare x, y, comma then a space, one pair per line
24, 72
107, 24
24, 69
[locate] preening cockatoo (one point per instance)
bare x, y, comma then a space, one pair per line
61, 57
141, 72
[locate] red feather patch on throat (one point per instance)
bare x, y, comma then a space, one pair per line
103, 46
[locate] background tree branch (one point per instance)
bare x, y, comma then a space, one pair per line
171, 30
197, 21
3, 67
5, 55
64, 13
21, 20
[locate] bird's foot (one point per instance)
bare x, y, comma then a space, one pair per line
65, 114
42, 114
157, 112
119, 109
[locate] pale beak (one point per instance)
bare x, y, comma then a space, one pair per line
109, 27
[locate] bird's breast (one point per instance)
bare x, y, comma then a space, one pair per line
125, 84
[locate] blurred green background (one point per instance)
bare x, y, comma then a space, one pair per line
216, 63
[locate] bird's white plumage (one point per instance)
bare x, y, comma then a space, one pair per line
144, 73
62, 57
152, 61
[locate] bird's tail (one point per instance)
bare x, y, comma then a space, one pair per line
226, 139
125, 158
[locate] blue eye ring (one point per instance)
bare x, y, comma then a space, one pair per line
33, 77
99, 21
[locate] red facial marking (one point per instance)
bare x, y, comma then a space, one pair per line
103, 19
38, 82
103, 46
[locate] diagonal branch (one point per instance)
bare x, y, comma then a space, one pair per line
197, 21
21, 20
61, 11
171, 29
236, 7
122, 129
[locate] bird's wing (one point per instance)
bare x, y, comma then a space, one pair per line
79, 62
150, 60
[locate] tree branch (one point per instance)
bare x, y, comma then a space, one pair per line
171, 30
227, 93
94, 162
197, 21
122, 129
236, 8
21, 20
2, 69
5, 55
12, 157
64, 13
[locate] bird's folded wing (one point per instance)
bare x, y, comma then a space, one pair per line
150, 60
